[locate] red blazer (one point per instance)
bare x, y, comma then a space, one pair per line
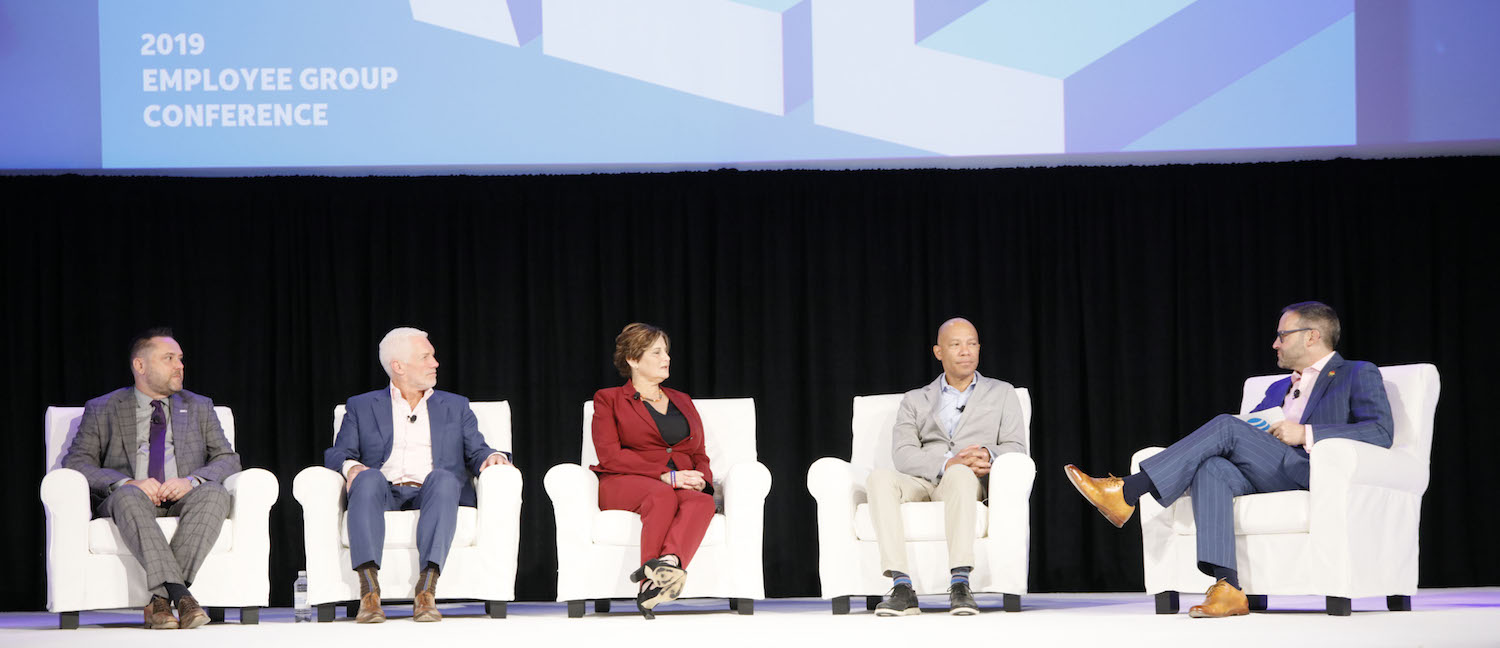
629, 443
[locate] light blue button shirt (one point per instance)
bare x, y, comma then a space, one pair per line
952, 401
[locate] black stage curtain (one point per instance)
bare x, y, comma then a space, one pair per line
1132, 301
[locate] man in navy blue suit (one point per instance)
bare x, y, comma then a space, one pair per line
1325, 397
406, 447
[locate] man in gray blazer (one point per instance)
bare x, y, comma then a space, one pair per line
945, 436
153, 450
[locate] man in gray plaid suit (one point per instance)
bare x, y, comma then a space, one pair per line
154, 450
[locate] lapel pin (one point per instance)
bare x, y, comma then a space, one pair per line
1332, 374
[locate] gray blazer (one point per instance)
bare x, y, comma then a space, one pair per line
104, 448
992, 418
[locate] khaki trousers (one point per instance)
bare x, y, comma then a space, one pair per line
958, 491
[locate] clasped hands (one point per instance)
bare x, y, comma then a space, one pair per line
1289, 432
684, 480
169, 491
493, 460
976, 457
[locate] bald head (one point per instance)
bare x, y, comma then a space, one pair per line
958, 349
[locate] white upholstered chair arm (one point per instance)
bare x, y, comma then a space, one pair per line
499, 513
65, 496
838, 487
746, 486
1356, 463
252, 493
574, 491
1011, 475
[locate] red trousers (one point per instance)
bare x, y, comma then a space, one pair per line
673, 521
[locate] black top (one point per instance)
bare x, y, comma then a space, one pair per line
673, 425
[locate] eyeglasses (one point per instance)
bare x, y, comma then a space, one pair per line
1281, 335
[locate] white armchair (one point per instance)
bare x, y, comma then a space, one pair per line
481, 565
597, 550
90, 568
848, 556
1352, 534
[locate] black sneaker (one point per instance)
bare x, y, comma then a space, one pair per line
901, 602
961, 600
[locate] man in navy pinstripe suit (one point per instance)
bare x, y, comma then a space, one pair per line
1325, 397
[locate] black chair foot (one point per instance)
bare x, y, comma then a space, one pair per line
734, 604
1339, 606
871, 602
215, 615
1398, 603
1012, 602
496, 609
325, 613
249, 616
744, 606
1167, 602
840, 605
601, 606
576, 609
351, 609
67, 620
1258, 602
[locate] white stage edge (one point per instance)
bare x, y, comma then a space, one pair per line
1439, 617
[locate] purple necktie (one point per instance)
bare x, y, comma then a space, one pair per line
157, 468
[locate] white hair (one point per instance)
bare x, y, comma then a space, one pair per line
396, 342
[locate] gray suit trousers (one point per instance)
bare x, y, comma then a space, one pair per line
201, 515
958, 491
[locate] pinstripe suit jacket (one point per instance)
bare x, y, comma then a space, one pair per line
105, 446
1348, 402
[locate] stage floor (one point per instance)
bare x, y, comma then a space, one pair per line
1439, 617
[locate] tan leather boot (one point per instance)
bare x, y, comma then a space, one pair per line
424, 607
369, 597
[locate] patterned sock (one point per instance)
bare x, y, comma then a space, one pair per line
900, 578
959, 575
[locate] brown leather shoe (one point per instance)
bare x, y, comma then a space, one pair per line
1105, 493
1223, 600
369, 609
424, 607
190, 614
159, 614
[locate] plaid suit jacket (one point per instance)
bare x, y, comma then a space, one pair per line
104, 448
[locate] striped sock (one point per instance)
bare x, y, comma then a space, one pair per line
960, 575
900, 578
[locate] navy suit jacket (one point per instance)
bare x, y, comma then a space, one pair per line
1348, 402
457, 446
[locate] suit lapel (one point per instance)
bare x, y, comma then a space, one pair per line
979, 388
126, 439
437, 417
181, 446
639, 405
934, 393
1326, 379
383, 414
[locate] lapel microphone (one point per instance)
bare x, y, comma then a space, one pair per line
1297, 393
961, 408
411, 419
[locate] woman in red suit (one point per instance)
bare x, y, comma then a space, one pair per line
652, 461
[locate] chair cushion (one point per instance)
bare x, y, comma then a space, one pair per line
1262, 513
401, 528
104, 536
623, 528
923, 521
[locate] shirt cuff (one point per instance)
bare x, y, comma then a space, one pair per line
1307, 442
349, 463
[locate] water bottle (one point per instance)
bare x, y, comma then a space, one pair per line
300, 610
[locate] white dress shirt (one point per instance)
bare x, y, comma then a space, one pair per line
411, 441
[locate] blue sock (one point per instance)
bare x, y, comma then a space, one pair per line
900, 578
960, 575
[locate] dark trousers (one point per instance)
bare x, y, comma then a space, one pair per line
673, 521
200, 515
1224, 458
436, 502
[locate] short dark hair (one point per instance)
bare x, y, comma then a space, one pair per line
632, 343
1320, 316
142, 342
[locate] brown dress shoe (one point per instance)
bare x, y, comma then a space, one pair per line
1105, 493
190, 614
159, 614
369, 608
1223, 600
424, 607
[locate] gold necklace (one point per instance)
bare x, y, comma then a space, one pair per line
659, 395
